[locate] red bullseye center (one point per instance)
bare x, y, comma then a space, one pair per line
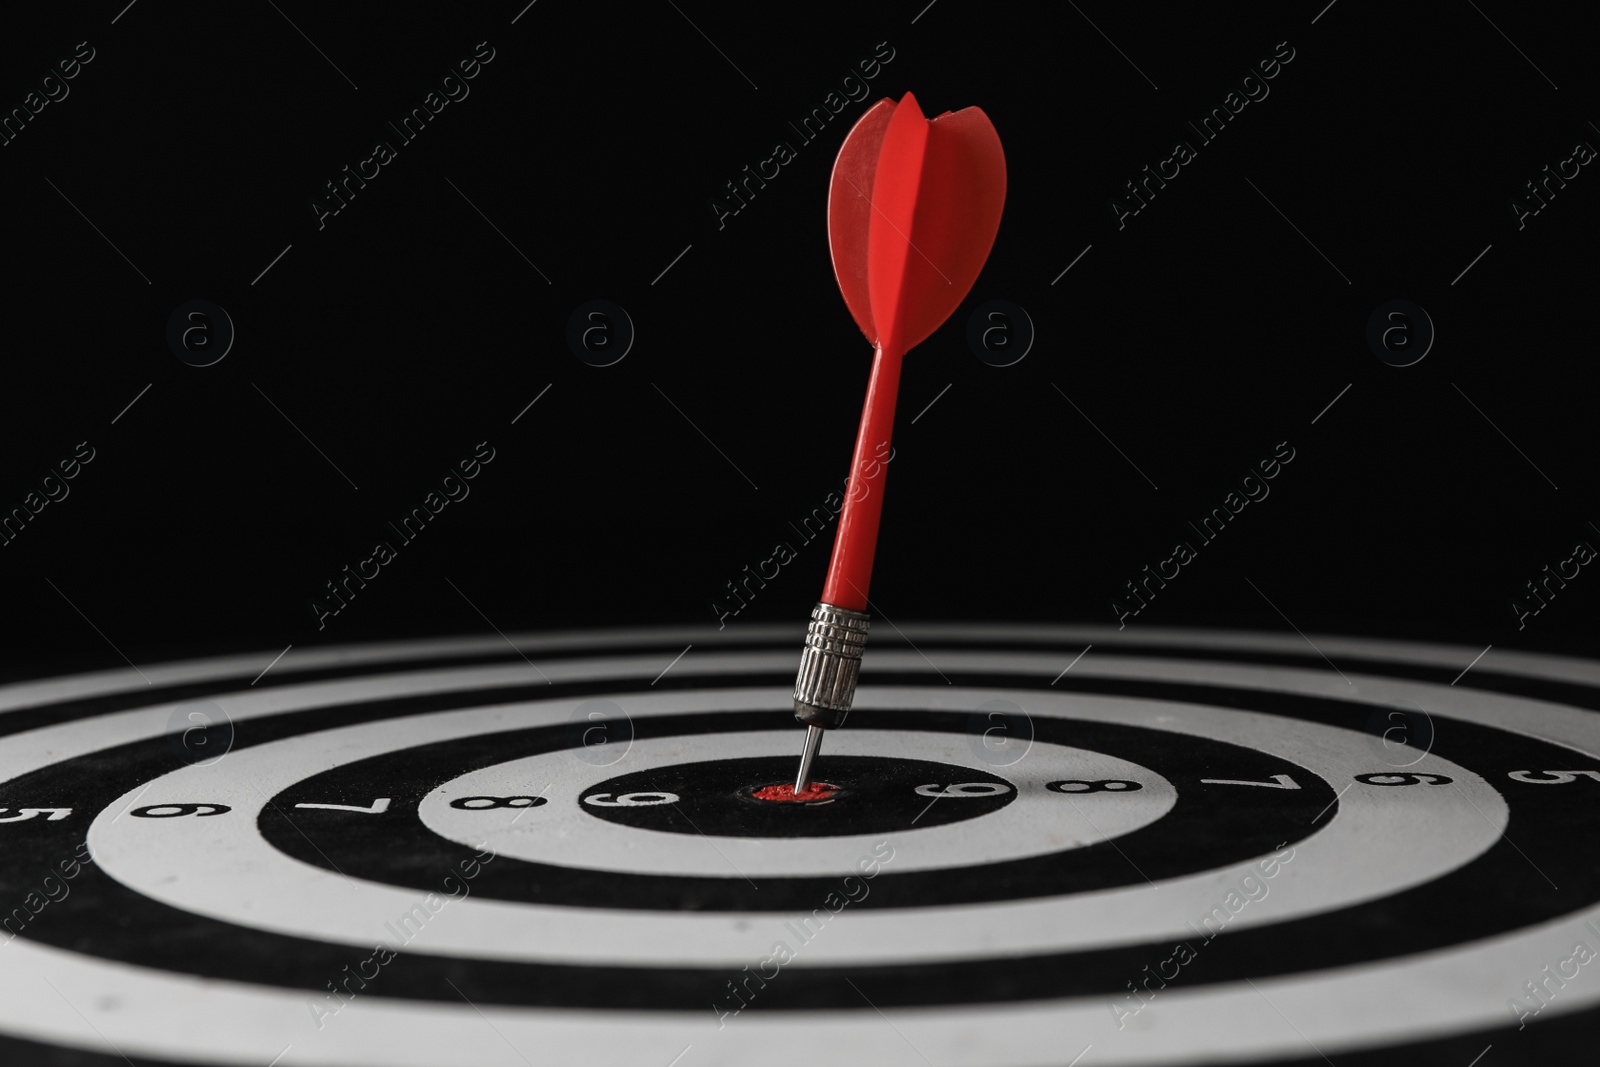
785, 794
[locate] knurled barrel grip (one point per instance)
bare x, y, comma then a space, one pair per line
829, 666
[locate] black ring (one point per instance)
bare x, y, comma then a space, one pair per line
1497, 892
1248, 822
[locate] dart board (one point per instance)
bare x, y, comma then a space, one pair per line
1032, 845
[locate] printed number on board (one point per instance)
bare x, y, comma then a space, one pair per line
1552, 777
378, 807
24, 814
1100, 785
1404, 779
1279, 781
631, 800
963, 789
178, 811
486, 803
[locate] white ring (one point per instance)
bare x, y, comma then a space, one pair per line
1404, 838
1035, 823
89, 1001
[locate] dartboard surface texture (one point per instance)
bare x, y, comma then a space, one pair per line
1186, 848
427, 431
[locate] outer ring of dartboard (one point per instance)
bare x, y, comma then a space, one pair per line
267, 958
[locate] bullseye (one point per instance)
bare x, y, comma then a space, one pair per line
784, 793
867, 794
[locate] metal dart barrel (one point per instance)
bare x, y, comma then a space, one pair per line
825, 687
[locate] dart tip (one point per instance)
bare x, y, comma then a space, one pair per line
808, 755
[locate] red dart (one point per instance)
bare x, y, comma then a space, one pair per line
913, 208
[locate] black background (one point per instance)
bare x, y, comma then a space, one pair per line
408, 329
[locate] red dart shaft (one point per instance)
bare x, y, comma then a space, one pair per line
850, 572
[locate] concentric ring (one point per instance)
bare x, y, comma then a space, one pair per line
1510, 928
